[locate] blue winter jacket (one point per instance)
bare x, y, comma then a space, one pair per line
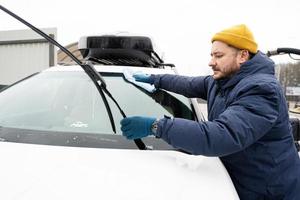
248, 128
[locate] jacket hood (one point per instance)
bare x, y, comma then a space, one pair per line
259, 64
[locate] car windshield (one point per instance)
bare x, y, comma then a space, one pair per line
68, 101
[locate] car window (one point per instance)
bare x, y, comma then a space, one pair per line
68, 102
136, 101
52, 101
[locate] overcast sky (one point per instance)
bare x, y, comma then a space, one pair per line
181, 30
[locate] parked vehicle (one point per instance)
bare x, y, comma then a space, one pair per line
294, 116
60, 134
51, 120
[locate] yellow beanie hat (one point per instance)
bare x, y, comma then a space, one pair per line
238, 36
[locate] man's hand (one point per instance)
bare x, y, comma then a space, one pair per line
141, 77
136, 127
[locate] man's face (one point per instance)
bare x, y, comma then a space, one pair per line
225, 60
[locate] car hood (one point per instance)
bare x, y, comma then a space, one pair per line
50, 172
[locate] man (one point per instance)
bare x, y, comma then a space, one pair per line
248, 124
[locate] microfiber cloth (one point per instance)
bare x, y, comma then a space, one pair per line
129, 77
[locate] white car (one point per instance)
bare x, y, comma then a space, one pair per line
58, 141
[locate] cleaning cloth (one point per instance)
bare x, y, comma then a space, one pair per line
128, 74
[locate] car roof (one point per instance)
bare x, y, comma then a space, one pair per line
115, 69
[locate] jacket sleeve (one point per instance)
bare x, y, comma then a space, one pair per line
247, 119
188, 86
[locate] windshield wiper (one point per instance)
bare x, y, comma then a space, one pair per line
89, 70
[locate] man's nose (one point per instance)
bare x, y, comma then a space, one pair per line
212, 62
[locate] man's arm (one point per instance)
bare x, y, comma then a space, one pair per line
190, 87
246, 120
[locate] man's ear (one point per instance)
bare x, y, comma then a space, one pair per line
244, 56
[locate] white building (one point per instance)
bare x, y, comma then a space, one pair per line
24, 52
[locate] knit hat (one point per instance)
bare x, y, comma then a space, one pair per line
238, 36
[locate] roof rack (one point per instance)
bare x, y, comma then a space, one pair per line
120, 50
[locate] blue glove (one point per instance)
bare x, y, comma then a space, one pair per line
136, 127
145, 78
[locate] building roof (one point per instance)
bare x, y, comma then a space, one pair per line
64, 59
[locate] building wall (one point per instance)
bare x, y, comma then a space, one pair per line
23, 52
